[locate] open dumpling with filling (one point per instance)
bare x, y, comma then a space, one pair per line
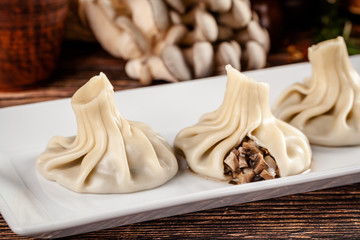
109, 154
326, 106
242, 141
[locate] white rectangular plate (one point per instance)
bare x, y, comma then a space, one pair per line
34, 206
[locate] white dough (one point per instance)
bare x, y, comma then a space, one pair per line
109, 153
245, 111
326, 107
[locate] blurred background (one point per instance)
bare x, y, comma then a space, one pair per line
293, 25
50, 48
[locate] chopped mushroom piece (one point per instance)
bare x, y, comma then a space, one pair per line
242, 162
270, 161
232, 162
260, 164
242, 178
250, 148
250, 162
266, 175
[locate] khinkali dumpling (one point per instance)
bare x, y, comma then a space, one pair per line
243, 129
109, 153
326, 107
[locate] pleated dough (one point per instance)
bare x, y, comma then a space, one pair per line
109, 153
245, 111
326, 107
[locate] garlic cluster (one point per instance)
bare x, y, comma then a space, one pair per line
177, 40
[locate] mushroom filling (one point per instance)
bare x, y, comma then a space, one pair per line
250, 162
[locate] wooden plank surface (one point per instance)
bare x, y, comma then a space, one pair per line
329, 213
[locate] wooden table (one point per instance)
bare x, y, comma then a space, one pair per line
327, 213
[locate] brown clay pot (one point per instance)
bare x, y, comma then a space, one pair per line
31, 32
